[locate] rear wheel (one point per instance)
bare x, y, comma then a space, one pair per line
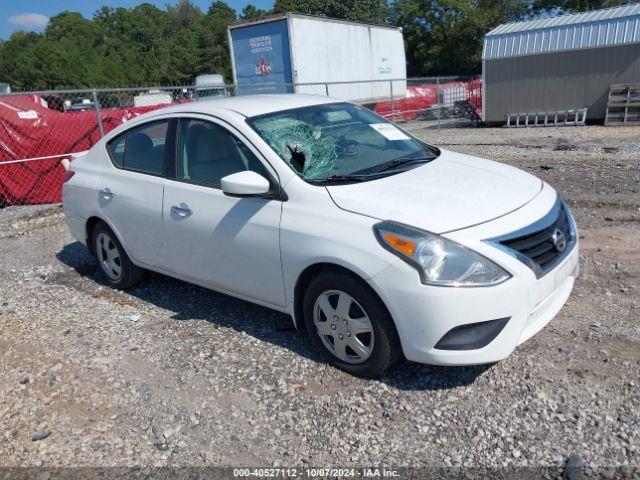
114, 262
349, 324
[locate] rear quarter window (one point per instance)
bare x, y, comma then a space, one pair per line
116, 148
141, 149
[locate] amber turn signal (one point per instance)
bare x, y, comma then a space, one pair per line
402, 245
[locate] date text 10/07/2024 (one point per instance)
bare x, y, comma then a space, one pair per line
315, 473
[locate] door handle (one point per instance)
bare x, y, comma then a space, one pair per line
181, 210
106, 194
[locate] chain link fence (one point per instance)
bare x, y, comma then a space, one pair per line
40, 129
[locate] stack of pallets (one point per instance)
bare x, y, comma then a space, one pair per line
623, 107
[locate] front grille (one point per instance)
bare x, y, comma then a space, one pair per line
544, 244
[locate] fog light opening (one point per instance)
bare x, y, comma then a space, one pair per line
472, 336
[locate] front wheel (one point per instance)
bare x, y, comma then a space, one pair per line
349, 324
114, 262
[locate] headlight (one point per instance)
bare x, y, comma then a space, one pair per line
439, 261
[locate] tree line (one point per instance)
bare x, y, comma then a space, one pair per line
146, 45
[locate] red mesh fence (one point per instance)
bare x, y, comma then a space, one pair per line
38, 130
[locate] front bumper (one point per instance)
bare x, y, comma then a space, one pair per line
424, 314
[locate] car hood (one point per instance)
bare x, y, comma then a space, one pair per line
452, 192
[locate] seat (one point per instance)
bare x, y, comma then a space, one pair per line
189, 150
141, 155
215, 157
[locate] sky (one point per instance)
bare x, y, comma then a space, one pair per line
34, 14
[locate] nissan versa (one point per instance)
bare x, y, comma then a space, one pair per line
378, 245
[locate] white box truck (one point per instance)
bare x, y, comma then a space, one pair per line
305, 54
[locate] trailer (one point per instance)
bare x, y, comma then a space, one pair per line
289, 52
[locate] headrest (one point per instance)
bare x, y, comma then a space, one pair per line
194, 131
138, 143
211, 146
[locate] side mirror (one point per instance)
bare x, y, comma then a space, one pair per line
245, 184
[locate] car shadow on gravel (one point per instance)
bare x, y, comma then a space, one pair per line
190, 302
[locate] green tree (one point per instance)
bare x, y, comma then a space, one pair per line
180, 51
444, 37
366, 11
146, 45
572, 6
184, 15
251, 12
133, 44
68, 51
143, 45
212, 41
182, 58
19, 61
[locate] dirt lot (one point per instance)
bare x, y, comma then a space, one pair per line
172, 374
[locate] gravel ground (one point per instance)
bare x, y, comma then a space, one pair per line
171, 374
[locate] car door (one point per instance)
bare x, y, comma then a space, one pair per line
226, 242
131, 185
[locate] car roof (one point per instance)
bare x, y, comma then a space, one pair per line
252, 105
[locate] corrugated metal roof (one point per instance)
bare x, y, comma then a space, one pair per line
599, 28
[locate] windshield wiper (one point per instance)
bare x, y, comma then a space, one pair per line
370, 175
340, 178
404, 161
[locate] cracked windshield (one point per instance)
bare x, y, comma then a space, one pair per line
340, 142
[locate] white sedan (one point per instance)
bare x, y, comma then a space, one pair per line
378, 245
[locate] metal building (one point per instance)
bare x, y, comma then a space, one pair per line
560, 63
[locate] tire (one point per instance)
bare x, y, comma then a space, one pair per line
343, 335
113, 261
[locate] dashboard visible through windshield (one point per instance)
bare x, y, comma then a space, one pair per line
340, 142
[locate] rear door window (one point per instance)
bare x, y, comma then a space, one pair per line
141, 149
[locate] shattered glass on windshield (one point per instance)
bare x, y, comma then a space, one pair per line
304, 147
339, 139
